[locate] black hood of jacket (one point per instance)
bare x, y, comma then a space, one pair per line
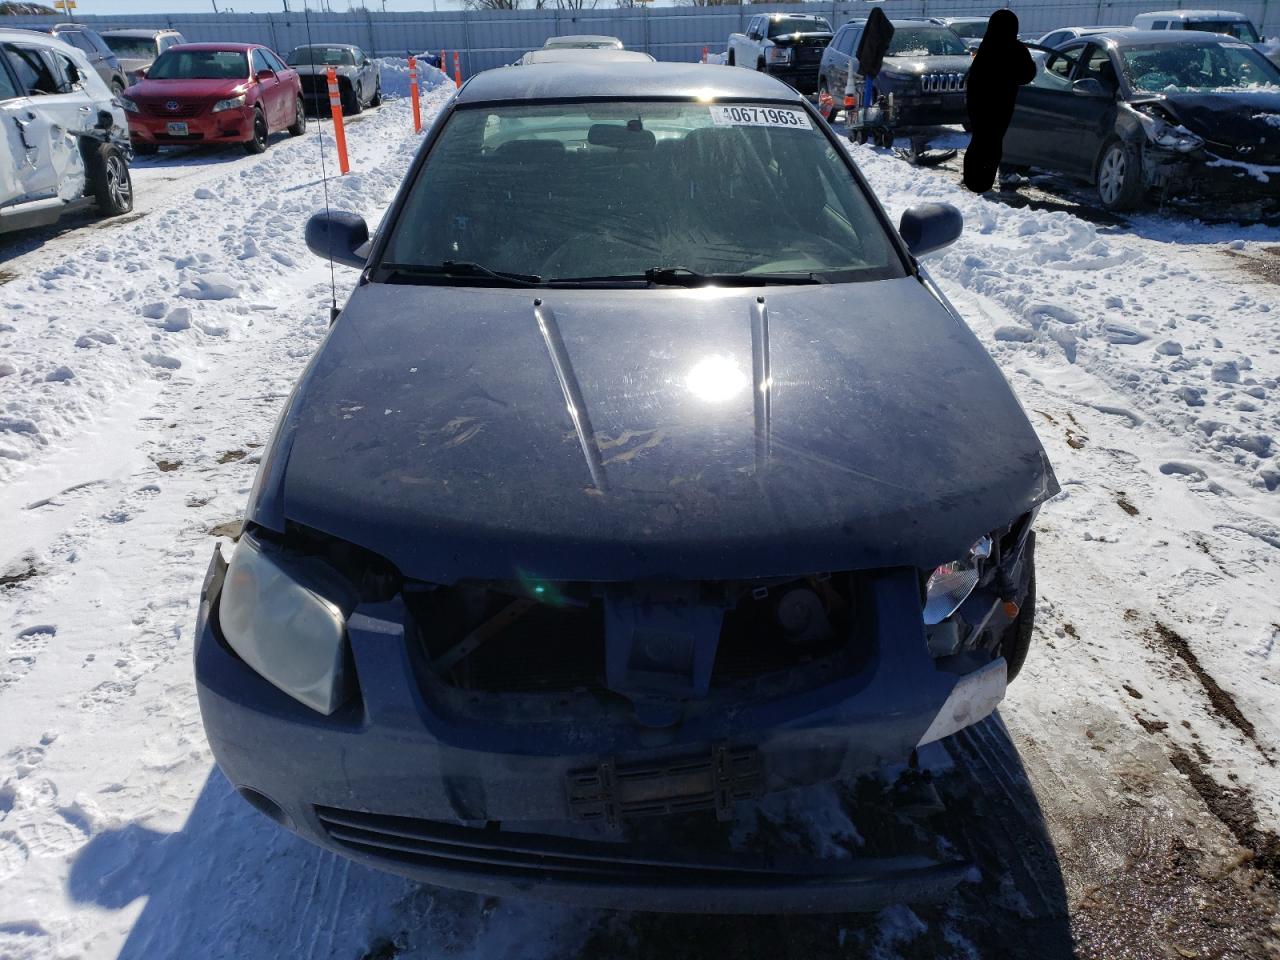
466, 432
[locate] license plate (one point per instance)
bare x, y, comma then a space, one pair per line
177, 129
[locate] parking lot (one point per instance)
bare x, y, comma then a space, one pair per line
1124, 802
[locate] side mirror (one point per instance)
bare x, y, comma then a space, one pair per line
929, 227
339, 235
1089, 87
264, 75
141, 73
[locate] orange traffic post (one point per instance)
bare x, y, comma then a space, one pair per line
335, 107
413, 93
704, 54
444, 64
457, 70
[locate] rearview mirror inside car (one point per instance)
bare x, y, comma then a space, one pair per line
928, 227
340, 235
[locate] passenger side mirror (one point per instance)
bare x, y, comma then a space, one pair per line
340, 235
1089, 87
929, 227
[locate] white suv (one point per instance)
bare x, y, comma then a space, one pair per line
64, 140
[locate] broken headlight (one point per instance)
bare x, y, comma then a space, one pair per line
1160, 131
950, 584
287, 619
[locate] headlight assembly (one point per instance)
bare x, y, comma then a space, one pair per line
950, 584
229, 104
128, 105
777, 55
286, 619
1164, 134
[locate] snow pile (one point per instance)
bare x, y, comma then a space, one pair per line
395, 75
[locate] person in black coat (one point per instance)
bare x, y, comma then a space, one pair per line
1001, 65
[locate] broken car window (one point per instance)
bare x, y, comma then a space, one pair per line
34, 72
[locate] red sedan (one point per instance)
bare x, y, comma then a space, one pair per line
214, 93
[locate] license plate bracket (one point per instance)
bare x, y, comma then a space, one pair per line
176, 128
613, 792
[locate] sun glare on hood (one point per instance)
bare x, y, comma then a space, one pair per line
716, 379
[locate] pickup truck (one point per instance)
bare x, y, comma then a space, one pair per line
785, 45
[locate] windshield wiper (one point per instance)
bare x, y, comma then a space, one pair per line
459, 268
684, 277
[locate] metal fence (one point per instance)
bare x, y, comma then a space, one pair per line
490, 38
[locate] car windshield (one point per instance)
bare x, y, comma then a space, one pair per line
631, 191
1240, 29
1188, 67
970, 29
322, 56
200, 65
785, 25
925, 41
132, 48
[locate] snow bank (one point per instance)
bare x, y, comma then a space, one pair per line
395, 75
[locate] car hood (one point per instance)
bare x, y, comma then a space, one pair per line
915, 66
631, 434
1246, 118
188, 88
132, 64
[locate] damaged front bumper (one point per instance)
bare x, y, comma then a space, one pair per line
454, 787
1203, 173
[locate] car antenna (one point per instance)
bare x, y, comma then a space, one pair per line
324, 178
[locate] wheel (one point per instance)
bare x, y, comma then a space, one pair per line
730, 62
117, 88
299, 125
377, 94
884, 138
859, 135
1119, 176
259, 142
1017, 639
350, 101
146, 149
759, 66
109, 179
826, 105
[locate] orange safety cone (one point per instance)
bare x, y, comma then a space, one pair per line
457, 70
413, 93
335, 107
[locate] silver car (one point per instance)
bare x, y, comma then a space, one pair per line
137, 49
359, 77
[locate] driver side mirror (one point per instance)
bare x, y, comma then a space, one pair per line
340, 235
929, 227
1090, 87
264, 75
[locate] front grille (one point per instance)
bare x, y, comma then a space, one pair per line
1263, 154
184, 108
314, 85
943, 82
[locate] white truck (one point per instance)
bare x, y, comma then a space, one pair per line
1227, 22
64, 140
786, 45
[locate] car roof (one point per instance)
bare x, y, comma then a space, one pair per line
782, 14
226, 47
1195, 14
1081, 31
138, 32
327, 46
586, 36
583, 55
573, 80
25, 35
1132, 37
950, 20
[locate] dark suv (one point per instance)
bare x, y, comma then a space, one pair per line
921, 85
101, 58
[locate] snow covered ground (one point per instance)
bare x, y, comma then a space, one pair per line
1128, 796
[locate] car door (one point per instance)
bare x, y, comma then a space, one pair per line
15, 155
1037, 129
47, 123
290, 86
1092, 107
841, 58
269, 88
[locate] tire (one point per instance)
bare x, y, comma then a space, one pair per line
146, 149
377, 94
759, 66
350, 101
1119, 176
109, 180
1016, 641
117, 88
258, 143
859, 135
299, 125
730, 61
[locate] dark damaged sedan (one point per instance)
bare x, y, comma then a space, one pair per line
644, 473
1143, 112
